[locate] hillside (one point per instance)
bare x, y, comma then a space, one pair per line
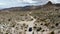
30, 20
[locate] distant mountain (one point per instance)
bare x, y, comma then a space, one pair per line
48, 6
26, 8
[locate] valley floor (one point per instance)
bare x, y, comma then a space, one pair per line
30, 22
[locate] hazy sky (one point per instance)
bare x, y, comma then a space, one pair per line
14, 3
55, 1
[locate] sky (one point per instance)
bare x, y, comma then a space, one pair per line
55, 1
22, 3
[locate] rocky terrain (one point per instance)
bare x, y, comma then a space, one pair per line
45, 20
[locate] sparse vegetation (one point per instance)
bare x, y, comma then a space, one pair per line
46, 20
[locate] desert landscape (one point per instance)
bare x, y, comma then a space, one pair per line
43, 20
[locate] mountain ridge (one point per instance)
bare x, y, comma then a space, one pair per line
28, 8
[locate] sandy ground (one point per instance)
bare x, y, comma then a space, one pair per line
42, 21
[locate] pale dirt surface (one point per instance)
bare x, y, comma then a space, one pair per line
42, 21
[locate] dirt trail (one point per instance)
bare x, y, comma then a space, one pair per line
29, 23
